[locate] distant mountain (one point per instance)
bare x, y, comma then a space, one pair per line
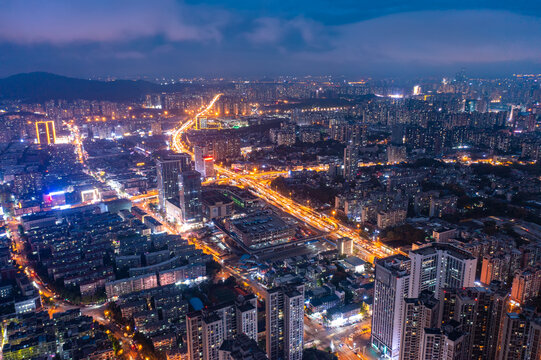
41, 86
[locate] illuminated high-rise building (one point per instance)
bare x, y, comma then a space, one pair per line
285, 322
526, 284
204, 161
208, 162
190, 196
439, 266
419, 313
521, 336
45, 132
396, 154
479, 311
350, 162
207, 329
495, 268
391, 285
444, 343
168, 171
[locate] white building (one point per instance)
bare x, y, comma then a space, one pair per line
390, 288
439, 266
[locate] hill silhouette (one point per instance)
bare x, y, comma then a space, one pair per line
42, 86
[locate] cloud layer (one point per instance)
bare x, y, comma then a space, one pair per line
66, 22
130, 37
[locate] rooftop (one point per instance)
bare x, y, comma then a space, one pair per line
396, 264
453, 250
258, 222
213, 197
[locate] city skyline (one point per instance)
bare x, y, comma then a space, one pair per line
239, 180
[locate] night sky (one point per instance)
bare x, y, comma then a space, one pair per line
255, 38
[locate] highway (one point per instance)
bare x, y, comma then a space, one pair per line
368, 250
74, 129
177, 134
259, 183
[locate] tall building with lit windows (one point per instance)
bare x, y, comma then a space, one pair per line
168, 170
521, 337
190, 196
439, 266
204, 161
350, 162
285, 322
419, 313
391, 285
207, 329
526, 284
45, 132
345, 246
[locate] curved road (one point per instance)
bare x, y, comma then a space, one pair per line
368, 250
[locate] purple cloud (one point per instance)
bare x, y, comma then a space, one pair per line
65, 22
138, 36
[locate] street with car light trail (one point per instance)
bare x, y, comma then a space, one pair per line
368, 250
259, 184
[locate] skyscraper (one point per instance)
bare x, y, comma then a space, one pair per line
495, 267
526, 284
208, 329
194, 328
439, 266
208, 162
350, 162
444, 343
420, 313
392, 275
168, 169
213, 336
204, 160
479, 312
409, 322
190, 196
533, 344
398, 134
285, 322
520, 337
